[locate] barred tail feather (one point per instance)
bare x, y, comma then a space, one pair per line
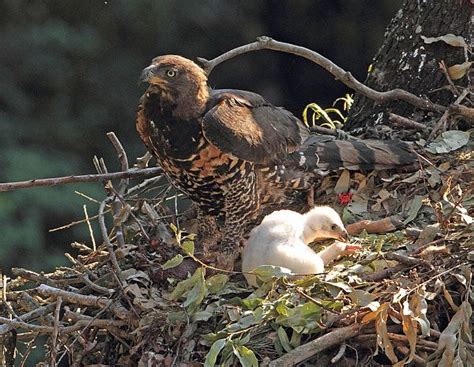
320, 154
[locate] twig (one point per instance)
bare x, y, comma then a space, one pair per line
89, 226
69, 225
117, 203
340, 353
85, 300
131, 173
400, 338
108, 244
29, 349
97, 287
32, 276
345, 77
315, 301
403, 259
466, 112
27, 317
442, 121
405, 122
103, 324
54, 337
123, 159
383, 274
305, 351
444, 70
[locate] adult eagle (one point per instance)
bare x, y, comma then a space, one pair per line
232, 153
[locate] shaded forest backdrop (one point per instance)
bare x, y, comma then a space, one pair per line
69, 72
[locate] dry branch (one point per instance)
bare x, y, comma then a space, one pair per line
316, 346
405, 122
132, 173
85, 300
267, 43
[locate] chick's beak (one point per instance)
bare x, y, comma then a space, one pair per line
343, 235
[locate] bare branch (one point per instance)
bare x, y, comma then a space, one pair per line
54, 336
85, 300
267, 43
405, 122
132, 173
80, 324
466, 112
305, 351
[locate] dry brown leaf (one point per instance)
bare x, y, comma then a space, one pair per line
343, 183
383, 339
409, 328
459, 70
450, 39
448, 340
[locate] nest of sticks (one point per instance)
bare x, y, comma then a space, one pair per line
141, 296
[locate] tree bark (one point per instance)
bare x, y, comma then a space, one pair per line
406, 61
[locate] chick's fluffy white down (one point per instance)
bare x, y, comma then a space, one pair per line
279, 241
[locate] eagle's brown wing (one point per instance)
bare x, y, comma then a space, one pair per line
245, 125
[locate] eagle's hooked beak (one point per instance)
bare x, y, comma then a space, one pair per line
148, 74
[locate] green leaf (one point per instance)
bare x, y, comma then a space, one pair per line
216, 283
361, 298
267, 272
284, 340
171, 263
246, 356
216, 348
196, 295
185, 285
252, 302
188, 247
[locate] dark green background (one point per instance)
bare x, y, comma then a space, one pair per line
69, 71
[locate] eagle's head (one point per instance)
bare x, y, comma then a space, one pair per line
179, 81
323, 222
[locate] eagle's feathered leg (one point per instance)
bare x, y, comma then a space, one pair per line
241, 208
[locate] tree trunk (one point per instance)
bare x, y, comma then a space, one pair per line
406, 61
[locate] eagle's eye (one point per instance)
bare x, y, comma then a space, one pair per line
334, 227
170, 73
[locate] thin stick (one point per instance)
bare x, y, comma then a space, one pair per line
100, 323
108, 244
442, 121
27, 317
466, 112
54, 337
123, 159
117, 204
91, 232
267, 43
131, 173
69, 225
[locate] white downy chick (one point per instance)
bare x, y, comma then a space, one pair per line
282, 240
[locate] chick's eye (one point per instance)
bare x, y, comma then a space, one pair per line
334, 227
170, 73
